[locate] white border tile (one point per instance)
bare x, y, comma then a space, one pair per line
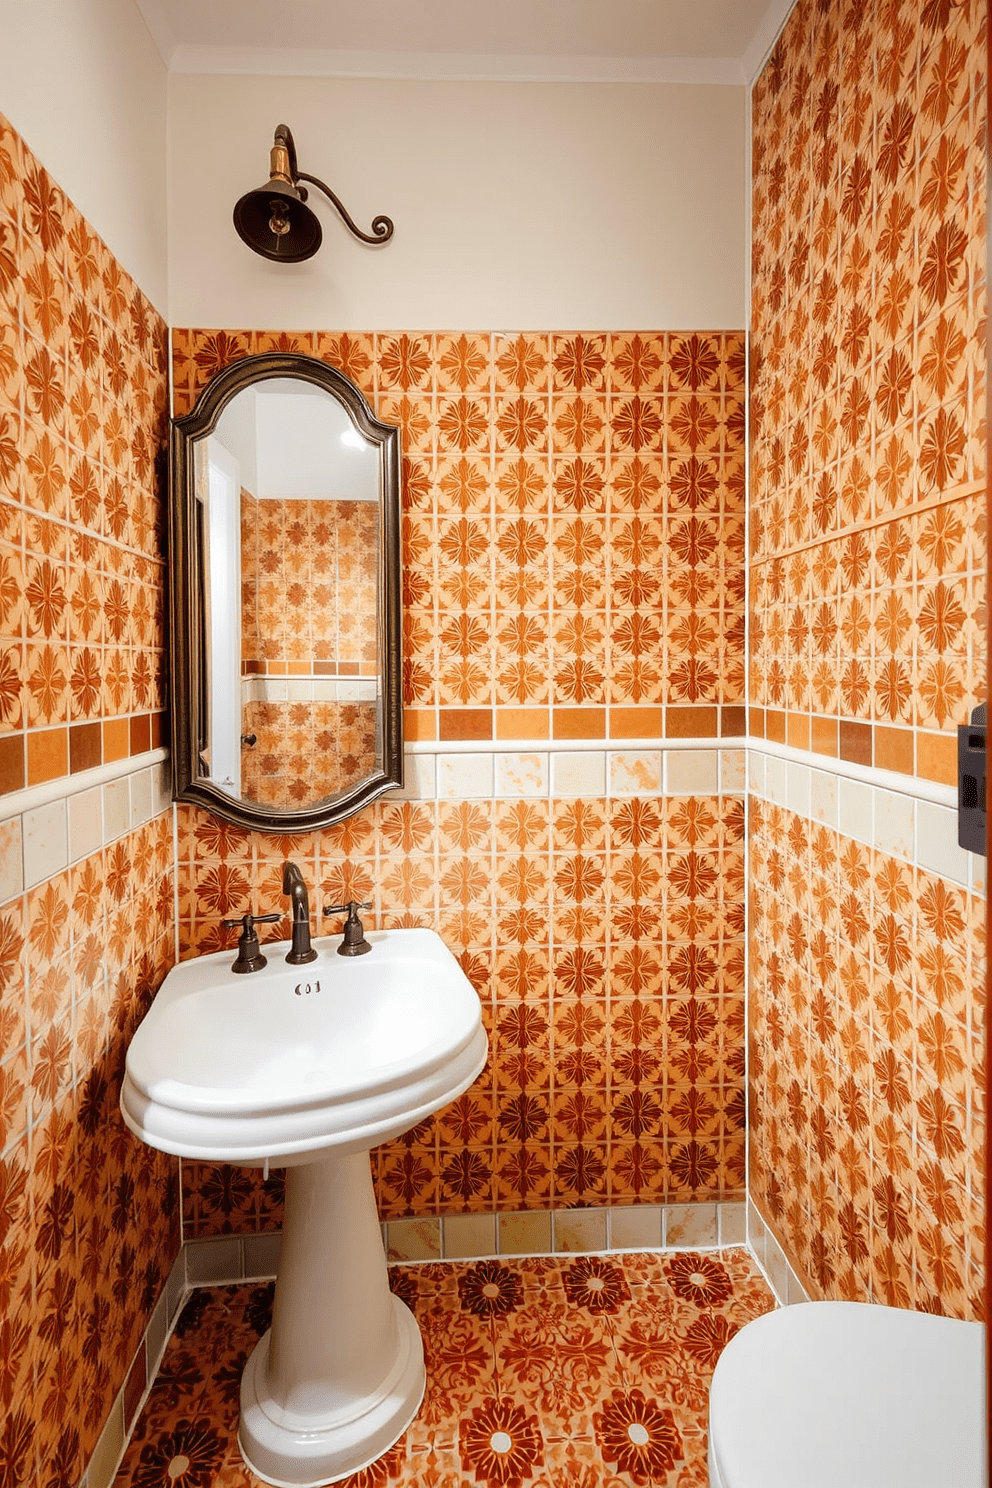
45, 842
916, 823
518, 775
578, 773
772, 1261
465, 777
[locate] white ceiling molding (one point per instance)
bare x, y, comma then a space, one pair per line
769, 30
452, 66
646, 41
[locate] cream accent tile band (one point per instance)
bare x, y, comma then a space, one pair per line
772, 1260
920, 825
217, 1259
615, 767
641, 768
905, 785
266, 688
910, 785
70, 785
49, 833
584, 1231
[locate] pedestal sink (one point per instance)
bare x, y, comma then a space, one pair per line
308, 1068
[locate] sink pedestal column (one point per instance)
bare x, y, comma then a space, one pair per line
340, 1374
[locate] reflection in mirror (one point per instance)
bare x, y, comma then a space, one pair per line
293, 496
293, 488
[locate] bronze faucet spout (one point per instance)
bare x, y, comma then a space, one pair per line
301, 950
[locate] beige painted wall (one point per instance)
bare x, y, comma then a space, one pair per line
83, 84
517, 205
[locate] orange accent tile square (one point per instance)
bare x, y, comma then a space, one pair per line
465, 723
578, 723
48, 754
116, 739
937, 757
522, 723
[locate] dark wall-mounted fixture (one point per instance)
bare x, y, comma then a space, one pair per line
274, 219
972, 788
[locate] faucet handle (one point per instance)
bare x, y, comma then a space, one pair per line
250, 956
354, 942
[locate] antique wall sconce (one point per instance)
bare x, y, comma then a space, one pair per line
274, 219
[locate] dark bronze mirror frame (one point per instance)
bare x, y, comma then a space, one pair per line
187, 602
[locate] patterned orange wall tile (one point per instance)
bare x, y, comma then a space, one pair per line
83, 411
573, 540
597, 933
573, 529
868, 375
302, 561
867, 635
88, 1216
302, 752
866, 1017
308, 581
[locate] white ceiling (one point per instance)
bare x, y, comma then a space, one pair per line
718, 41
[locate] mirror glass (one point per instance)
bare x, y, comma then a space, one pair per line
286, 488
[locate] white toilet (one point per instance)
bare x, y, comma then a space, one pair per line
849, 1395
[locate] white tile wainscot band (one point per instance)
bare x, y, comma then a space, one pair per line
772, 1260
910, 818
562, 769
46, 828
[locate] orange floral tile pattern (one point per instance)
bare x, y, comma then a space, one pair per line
866, 1049
573, 528
83, 419
88, 1214
573, 537
605, 940
301, 562
868, 378
308, 591
536, 1372
305, 751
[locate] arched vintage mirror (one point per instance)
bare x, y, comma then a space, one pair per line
285, 546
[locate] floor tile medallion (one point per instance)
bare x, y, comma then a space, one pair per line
563, 1372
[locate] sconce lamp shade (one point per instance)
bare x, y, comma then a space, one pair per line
274, 219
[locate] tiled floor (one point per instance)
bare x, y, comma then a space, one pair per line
583, 1371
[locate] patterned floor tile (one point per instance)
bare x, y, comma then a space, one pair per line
577, 1372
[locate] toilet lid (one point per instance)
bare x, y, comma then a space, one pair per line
848, 1395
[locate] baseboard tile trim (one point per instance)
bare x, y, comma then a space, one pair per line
772, 1260
109, 1450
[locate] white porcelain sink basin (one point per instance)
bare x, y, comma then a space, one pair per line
291, 1060
308, 1067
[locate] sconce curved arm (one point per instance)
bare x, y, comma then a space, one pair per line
382, 227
